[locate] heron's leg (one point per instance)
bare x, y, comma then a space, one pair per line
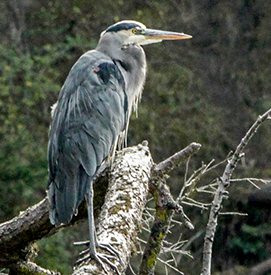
93, 242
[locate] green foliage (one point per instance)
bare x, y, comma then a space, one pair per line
250, 244
53, 256
22, 115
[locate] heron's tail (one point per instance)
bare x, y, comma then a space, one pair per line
65, 195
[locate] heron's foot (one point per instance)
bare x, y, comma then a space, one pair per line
108, 247
82, 243
101, 258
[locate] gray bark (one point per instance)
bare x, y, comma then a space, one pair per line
121, 215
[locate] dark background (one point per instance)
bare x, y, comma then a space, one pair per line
209, 89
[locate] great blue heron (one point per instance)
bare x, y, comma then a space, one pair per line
92, 116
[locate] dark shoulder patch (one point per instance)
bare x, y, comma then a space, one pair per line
107, 70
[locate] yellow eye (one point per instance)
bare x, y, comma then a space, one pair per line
134, 31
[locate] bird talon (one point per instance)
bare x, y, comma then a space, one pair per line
101, 259
84, 252
109, 248
81, 243
78, 262
105, 257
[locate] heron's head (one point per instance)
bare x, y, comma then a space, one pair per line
133, 32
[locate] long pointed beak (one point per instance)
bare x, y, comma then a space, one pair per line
155, 36
165, 35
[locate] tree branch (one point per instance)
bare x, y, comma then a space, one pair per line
262, 268
33, 224
170, 163
223, 183
121, 215
120, 218
18, 234
165, 207
30, 268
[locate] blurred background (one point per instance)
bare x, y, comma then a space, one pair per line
209, 89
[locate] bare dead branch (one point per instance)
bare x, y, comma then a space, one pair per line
129, 179
121, 215
170, 163
223, 183
170, 266
233, 213
252, 181
33, 224
165, 207
31, 269
262, 268
17, 233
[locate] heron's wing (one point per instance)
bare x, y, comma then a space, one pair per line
90, 114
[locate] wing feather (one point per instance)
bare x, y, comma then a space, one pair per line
90, 115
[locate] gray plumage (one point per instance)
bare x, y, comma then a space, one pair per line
92, 115
91, 112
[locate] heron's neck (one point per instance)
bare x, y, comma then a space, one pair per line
131, 61
133, 67
109, 44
